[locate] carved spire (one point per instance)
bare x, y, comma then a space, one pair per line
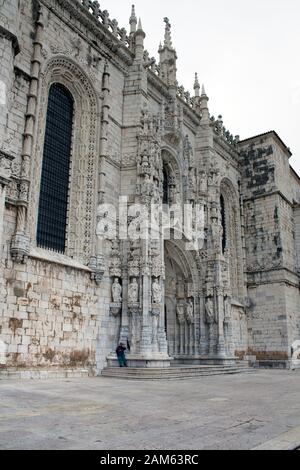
168, 57
197, 86
140, 27
204, 106
133, 20
168, 39
139, 41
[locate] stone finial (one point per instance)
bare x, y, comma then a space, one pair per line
204, 105
133, 20
197, 86
140, 32
140, 26
168, 39
139, 42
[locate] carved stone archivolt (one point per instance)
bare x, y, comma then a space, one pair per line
82, 206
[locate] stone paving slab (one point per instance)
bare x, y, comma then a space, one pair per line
287, 441
220, 412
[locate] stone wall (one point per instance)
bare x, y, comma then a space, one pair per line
57, 310
270, 242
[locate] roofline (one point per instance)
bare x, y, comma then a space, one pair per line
264, 135
295, 173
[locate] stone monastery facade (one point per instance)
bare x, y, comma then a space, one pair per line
86, 117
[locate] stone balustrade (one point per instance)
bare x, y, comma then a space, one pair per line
111, 24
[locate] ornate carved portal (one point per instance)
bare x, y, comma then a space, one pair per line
180, 308
166, 284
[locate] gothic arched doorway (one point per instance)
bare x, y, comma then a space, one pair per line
179, 304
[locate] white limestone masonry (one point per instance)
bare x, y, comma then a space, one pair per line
137, 134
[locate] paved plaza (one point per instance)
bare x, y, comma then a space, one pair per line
221, 412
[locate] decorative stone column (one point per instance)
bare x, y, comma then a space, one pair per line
158, 269
134, 311
20, 241
146, 305
5, 174
180, 312
220, 309
155, 315
228, 334
97, 263
203, 342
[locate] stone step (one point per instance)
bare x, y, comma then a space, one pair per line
171, 370
158, 374
172, 377
173, 373
44, 374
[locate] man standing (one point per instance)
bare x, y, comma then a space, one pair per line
121, 355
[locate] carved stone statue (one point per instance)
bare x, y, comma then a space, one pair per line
133, 291
156, 292
147, 187
117, 291
202, 182
192, 180
180, 314
209, 311
190, 312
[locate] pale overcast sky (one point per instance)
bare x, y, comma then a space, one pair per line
246, 53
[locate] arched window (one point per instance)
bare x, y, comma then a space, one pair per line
53, 202
232, 240
166, 187
223, 220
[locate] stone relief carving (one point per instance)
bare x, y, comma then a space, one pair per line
5, 167
115, 260
156, 266
128, 159
97, 266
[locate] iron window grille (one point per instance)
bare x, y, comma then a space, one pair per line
55, 178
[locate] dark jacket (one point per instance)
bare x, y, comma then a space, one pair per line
120, 350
